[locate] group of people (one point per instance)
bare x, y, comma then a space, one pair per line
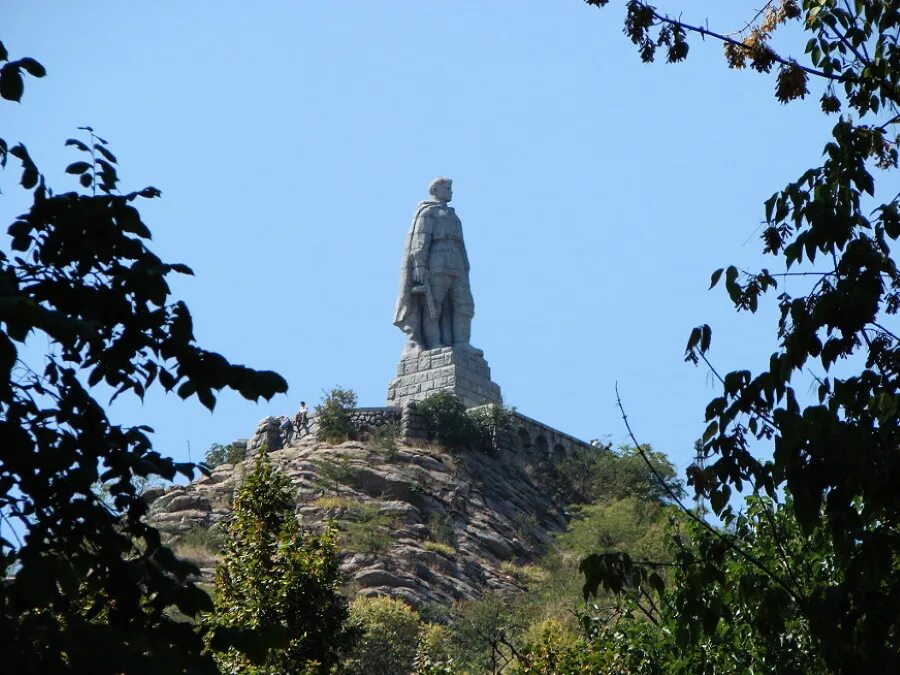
300, 421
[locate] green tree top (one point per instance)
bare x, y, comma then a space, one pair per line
277, 584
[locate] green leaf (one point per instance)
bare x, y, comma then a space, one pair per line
705, 338
78, 167
714, 279
206, 398
693, 340
34, 68
106, 153
11, 85
78, 144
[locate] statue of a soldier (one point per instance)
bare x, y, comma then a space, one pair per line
435, 306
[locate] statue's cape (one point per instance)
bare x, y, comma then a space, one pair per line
404, 316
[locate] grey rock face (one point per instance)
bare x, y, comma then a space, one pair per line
418, 523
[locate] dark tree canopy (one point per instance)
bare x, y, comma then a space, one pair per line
92, 586
838, 455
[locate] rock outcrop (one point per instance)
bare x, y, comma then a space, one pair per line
416, 521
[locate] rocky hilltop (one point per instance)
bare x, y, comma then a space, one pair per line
416, 521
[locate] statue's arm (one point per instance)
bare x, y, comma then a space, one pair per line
465, 256
421, 246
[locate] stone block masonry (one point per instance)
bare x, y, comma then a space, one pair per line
460, 369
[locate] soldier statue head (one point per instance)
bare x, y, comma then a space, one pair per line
441, 189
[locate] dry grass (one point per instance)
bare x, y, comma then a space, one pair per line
439, 547
200, 546
201, 556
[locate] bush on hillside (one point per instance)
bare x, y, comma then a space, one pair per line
451, 425
333, 415
219, 454
603, 473
389, 633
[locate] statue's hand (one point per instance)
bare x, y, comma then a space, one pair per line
418, 275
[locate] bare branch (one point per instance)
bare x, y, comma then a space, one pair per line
753, 20
728, 541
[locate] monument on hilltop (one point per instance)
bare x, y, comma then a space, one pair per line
435, 310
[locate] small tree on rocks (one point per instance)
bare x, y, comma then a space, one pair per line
278, 582
333, 415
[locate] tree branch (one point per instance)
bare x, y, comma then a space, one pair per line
737, 43
753, 20
730, 543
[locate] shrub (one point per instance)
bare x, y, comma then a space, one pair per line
445, 415
451, 425
389, 634
384, 440
333, 415
551, 648
219, 454
480, 629
370, 531
334, 473
491, 424
441, 528
275, 580
604, 473
433, 656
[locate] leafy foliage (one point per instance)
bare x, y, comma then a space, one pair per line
12, 84
434, 656
492, 424
92, 581
630, 524
481, 631
445, 415
603, 473
277, 582
384, 440
745, 621
369, 529
389, 635
837, 457
453, 426
218, 454
333, 415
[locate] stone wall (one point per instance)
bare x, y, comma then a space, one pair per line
552, 443
269, 432
372, 418
527, 434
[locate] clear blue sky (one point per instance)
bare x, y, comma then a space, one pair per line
292, 140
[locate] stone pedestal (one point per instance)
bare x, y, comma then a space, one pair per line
459, 369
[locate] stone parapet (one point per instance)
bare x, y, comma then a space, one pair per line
461, 370
529, 434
